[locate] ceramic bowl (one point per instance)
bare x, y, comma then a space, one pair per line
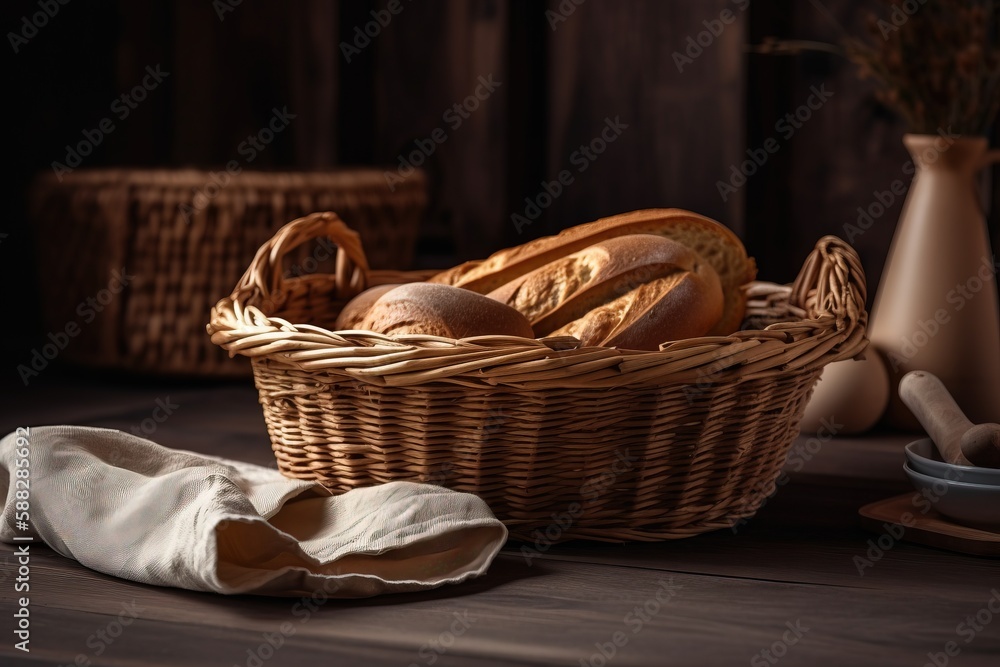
976, 505
923, 457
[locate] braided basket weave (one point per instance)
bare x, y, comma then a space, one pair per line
561, 441
185, 240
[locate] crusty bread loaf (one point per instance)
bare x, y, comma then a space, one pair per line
442, 310
681, 305
568, 288
719, 246
357, 308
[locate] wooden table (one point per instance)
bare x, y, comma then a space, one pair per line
785, 587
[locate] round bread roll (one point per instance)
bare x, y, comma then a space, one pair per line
354, 312
441, 310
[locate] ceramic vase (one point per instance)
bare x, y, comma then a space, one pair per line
936, 306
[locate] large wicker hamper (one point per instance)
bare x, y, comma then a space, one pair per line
185, 236
562, 441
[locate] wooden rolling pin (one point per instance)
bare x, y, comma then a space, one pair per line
960, 441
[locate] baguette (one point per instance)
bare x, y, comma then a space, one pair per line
719, 246
569, 288
681, 305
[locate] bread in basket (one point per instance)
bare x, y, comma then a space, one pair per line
562, 441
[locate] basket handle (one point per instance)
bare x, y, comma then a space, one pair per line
264, 280
832, 284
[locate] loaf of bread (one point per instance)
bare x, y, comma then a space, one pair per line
682, 305
634, 291
715, 243
435, 310
357, 308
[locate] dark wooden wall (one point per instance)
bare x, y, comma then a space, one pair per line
685, 124
835, 162
561, 74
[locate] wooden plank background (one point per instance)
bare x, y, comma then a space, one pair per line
684, 126
834, 163
562, 74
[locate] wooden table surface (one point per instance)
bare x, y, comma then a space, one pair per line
783, 588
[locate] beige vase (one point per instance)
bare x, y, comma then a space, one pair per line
936, 305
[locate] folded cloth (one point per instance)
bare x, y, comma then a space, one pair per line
125, 506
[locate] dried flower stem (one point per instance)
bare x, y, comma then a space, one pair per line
938, 66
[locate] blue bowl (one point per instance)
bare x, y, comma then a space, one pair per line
975, 505
923, 457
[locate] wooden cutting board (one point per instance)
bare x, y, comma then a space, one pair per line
931, 529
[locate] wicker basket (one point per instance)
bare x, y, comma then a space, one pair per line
186, 240
562, 441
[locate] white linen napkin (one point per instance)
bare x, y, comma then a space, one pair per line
125, 506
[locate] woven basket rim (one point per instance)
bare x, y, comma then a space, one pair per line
829, 293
